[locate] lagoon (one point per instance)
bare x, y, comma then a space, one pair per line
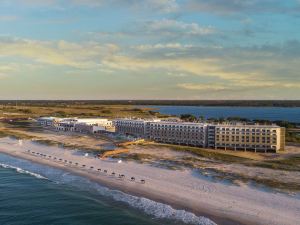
291, 114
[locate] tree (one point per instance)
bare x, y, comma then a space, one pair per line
201, 118
188, 117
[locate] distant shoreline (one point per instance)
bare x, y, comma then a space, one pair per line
241, 103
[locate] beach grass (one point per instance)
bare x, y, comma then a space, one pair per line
290, 163
205, 153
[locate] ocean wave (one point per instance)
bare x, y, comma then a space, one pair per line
155, 209
163, 211
20, 170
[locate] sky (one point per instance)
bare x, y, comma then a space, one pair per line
150, 49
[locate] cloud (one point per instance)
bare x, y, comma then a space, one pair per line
254, 61
240, 85
36, 3
163, 46
84, 55
203, 87
159, 30
169, 27
6, 69
231, 7
165, 6
202, 67
161, 6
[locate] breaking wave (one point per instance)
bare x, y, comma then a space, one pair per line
20, 170
149, 207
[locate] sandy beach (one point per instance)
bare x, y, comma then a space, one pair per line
185, 189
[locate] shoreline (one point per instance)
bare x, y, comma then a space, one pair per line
119, 187
177, 198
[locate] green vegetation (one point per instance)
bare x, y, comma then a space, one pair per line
8, 133
135, 156
289, 164
210, 154
257, 181
188, 117
293, 136
26, 110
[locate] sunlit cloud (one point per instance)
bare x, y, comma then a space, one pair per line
57, 53
152, 48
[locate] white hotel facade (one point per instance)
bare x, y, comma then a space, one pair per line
81, 125
193, 134
260, 138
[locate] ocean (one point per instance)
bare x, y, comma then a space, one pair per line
267, 113
31, 194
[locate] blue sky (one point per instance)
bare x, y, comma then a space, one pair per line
149, 49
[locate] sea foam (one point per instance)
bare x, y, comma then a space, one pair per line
149, 207
20, 170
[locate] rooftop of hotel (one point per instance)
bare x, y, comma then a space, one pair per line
165, 122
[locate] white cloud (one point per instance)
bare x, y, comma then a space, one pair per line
203, 87
239, 85
83, 55
167, 6
159, 46
174, 27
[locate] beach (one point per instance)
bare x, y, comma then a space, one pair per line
182, 189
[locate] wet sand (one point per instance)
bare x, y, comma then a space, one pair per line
224, 204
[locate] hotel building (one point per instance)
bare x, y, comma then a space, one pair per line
246, 137
82, 125
192, 134
249, 137
258, 138
131, 127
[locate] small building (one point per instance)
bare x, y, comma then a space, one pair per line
48, 121
88, 129
66, 125
84, 125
